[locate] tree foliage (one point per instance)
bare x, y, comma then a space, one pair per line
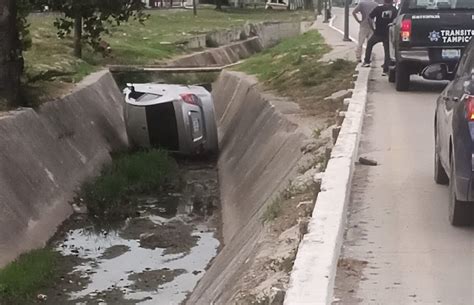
98, 16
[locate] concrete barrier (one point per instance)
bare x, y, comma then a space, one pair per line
220, 56
262, 35
260, 148
271, 33
45, 154
315, 267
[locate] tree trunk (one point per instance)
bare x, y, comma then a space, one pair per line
77, 34
320, 7
219, 5
171, 3
11, 60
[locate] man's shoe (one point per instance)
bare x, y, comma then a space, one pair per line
384, 73
366, 64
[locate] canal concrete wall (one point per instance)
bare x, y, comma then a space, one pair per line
255, 38
260, 149
46, 153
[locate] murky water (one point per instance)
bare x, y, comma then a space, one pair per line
156, 258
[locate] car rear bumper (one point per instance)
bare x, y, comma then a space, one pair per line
420, 58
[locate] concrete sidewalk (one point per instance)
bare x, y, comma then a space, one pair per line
340, 49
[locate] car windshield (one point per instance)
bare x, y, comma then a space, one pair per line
441, 4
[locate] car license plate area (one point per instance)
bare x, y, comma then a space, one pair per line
450, 53
196, 125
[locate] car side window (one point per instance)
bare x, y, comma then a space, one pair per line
469, 65
466, 62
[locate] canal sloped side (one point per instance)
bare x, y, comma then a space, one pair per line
260, 149
46, 153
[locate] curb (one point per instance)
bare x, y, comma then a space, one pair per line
314, 271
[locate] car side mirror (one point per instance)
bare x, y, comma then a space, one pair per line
437, 72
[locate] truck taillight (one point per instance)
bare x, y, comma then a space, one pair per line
469, 102
405, 30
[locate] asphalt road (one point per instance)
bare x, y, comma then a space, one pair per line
399, 247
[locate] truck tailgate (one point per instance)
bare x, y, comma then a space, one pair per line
441, 29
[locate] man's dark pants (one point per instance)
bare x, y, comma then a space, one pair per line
370, 45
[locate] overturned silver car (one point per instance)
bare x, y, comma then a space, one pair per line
175, 117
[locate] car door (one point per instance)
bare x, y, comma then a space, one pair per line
450, 99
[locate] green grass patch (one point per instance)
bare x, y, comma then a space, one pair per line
30, 272
50, 66
286, 57
112, 196
294, 68
134, 43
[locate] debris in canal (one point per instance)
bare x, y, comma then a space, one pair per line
367, 161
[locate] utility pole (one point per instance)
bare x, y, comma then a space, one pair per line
346, 21
326, 11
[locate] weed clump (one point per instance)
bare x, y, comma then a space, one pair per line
113, 195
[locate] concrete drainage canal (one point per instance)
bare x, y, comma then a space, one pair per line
153, 249
215, 231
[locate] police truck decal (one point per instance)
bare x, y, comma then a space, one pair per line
451, 36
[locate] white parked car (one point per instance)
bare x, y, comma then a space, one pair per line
175, 117
276, 4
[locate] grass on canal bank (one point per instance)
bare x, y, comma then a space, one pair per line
27, 275
134, 43
51, 69
293, 69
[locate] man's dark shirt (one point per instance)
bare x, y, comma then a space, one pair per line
383, 15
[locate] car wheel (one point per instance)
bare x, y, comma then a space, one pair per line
440, 175
391, 74
402, 77
460, 212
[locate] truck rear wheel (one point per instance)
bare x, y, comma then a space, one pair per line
402, 77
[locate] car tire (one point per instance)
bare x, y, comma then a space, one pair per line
460, 212
391, 75
440, 175
402, 77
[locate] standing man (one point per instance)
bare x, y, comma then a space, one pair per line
383, 15
364, 8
